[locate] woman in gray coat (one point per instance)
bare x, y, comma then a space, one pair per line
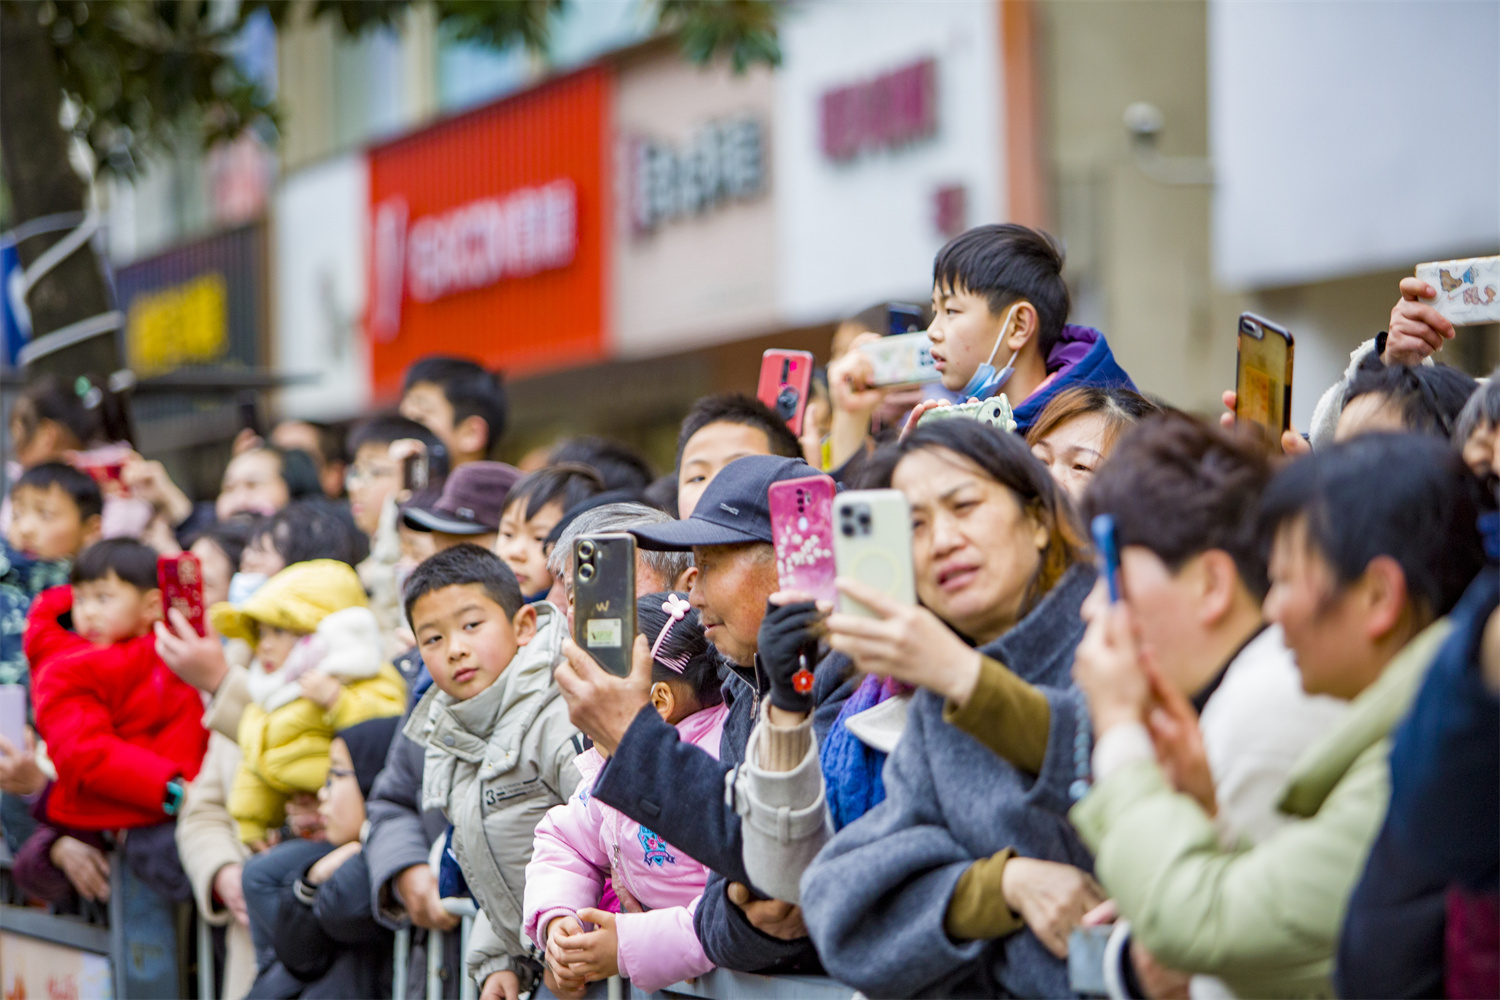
964, 880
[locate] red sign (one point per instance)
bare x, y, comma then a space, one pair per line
888, 112
487, 235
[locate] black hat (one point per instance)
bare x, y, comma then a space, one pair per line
368, 743
734, 509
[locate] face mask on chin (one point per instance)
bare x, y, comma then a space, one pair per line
987, 381
243, 585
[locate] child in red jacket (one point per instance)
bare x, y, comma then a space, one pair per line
122, 730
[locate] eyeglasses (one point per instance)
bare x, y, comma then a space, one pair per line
363, 473
337, 772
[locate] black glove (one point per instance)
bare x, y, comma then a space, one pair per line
788, 643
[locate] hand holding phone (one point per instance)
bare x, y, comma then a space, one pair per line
180, 578
604, 599
1107, 546
1263, 378
905, 359
872, 544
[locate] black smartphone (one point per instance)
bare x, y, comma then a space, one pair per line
604, 599
250, 416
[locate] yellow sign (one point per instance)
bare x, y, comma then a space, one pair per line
185, 324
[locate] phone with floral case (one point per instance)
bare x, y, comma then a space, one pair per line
802, 531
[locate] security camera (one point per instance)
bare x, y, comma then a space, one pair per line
1144, 121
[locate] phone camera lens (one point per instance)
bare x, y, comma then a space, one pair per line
586, 572
586, 549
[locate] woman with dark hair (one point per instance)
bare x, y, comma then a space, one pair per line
265, 479
1425, 399
897, 900
1078, 429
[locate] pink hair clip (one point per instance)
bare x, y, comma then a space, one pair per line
676, 609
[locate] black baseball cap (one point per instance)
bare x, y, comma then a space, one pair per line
472, 499
734, 509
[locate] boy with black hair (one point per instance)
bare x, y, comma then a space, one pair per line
499, 749
718, 430
374, 479
55, 511
533, 508
1000, 324
620, 466
460, 402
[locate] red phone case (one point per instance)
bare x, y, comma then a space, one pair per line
181, 580
785, 381
802, 529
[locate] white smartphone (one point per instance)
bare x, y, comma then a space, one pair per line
872, 544
13, 714
902, 359
1468, 290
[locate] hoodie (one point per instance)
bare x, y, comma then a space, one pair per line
1081, 356
583, 843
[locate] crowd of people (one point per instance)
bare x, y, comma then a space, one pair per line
1259, 758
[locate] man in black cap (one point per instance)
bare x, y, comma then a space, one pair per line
675, 789
469, 509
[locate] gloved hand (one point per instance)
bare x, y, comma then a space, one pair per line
788, 644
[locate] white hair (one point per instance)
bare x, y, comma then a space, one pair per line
618, 517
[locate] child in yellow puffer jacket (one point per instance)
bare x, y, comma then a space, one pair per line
319, 668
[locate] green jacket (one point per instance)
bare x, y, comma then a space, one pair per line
1264, 919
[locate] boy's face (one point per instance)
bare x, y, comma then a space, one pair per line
963, 333
44, 524
273, 645
427, 404
369, 481
706, 452
522, 543
466, 638
110, 610
339, 802
730, 594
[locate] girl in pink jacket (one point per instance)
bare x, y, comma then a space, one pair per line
584, 847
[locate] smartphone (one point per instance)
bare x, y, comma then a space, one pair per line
1107, 547
904, 359
13, 714
106, 466
872, 544
785, 380
903, 318
250, 416
1263, 383
802, 530
180, 578
604, 599
1468, 290
416, 472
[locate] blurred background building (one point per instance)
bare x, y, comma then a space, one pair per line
622, 231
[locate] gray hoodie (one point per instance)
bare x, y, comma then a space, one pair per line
875, 898
494, 764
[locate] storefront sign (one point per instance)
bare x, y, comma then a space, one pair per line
184, 324
893, 110
487, 235
722, 162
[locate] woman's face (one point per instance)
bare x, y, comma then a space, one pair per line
1073, 451
974, 549
252, 484
217, 570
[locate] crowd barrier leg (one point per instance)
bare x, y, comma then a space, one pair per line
435, 965
467, 988
401, 964
205, 961
142, 938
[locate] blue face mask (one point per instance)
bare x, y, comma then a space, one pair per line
242, 585
987, 381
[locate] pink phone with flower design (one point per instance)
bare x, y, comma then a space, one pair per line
802, 530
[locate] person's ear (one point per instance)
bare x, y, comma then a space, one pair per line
663, 700
685, 580
1383, 594
1023, 326
1041, 529
524, 624
1216, 582
472, 435
93, 529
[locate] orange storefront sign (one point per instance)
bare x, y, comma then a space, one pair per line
488, 235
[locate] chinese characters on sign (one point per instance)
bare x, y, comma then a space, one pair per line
184, 324
893, 110
475, 245
722, 162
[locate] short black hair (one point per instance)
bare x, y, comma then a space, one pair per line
229, 537
314, 529
458, 566
1180, 487
85, 406
694, 660
1405, 496
733, 408
390, 427
568, 483
1007, 262
468, 387
130, 560
1429, 397
78, 485
620, 466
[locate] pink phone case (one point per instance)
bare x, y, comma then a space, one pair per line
802, 528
